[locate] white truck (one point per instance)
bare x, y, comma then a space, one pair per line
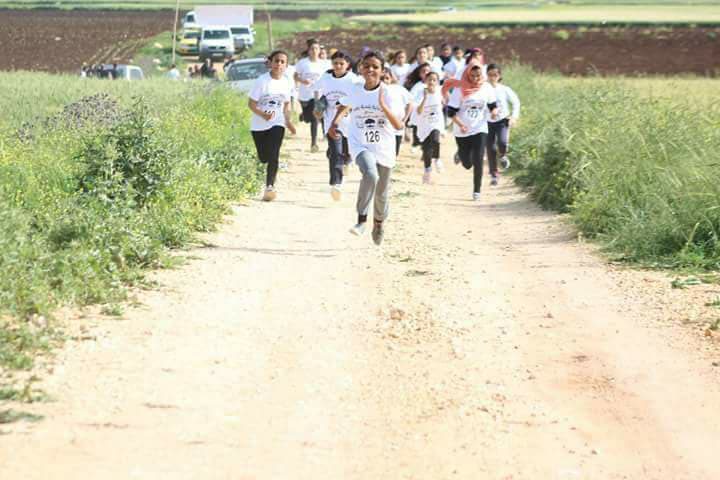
239, 18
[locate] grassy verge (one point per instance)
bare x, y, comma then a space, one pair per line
98, 179
637, 171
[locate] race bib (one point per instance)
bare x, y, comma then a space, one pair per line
370, 128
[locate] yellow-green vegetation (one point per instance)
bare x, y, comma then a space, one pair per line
634, 162
560, 14
98, 179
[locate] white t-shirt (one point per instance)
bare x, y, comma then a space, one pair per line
311, 71
431, 117
401, 72
437, 65
334, 89
416, 94
505, 98
271, 95
473, 110
290, 74
451, 68
398, 99
370, 130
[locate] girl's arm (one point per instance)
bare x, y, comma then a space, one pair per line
515, 102
421, 107
341, 111
253, 106
456, 120
288, 118
394, 121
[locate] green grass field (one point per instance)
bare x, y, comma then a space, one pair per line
319, 5
561, 14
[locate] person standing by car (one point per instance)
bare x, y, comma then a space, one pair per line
307, 72
270, 105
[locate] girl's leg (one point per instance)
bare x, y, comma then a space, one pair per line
464, 147
335, 160
313, 132
275, 139
416, 140
428, 149
382, 203
398, 142
492, 147
370, 176
477, 155
504, 138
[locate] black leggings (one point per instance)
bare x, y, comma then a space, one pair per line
431, 148
308, 116
268, 143
398, 142
497, 142
336, 154
416, 141
471, 151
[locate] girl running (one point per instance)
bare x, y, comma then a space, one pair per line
371, 139
499, 131
472, 104
307, 72
473, 55
270, 105
456, 62
415, 84
430, 122
400, 67
334, 85
400, 103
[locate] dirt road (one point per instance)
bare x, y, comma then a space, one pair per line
481, 341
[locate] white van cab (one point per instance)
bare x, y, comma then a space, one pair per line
216, 43
243, 35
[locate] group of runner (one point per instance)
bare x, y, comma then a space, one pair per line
366, 108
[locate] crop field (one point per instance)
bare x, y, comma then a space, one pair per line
561, 14
574, 51
60, 41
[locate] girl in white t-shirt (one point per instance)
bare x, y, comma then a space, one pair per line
270, 105
333, 86
371, 139
400, 103
499, 130
415, 84
307, 72
472, 104
430, 122
399, 66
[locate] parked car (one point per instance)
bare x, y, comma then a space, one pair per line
190, 21
121, 72
216, 43
243, 35
241, 74
188, 43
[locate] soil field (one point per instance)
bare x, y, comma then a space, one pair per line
60, 41
574, 51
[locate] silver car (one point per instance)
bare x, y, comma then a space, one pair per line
241, 74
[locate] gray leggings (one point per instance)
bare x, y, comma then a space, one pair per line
497, 142
375, 183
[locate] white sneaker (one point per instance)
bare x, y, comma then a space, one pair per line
283, 166
426, 178
358, 229
413, 150
336, 193
270, 194
456, 158
476, 196
505, 162
494, 180
439, 167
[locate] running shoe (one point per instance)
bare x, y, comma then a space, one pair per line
336, 193
358, 229
378, 233
270, 194
283, 166
345, 168
413, 149
439, 166
494, 180
505, 162
456, 158
314, 149
476, 196
426, 178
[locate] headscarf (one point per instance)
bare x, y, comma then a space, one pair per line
466, 87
